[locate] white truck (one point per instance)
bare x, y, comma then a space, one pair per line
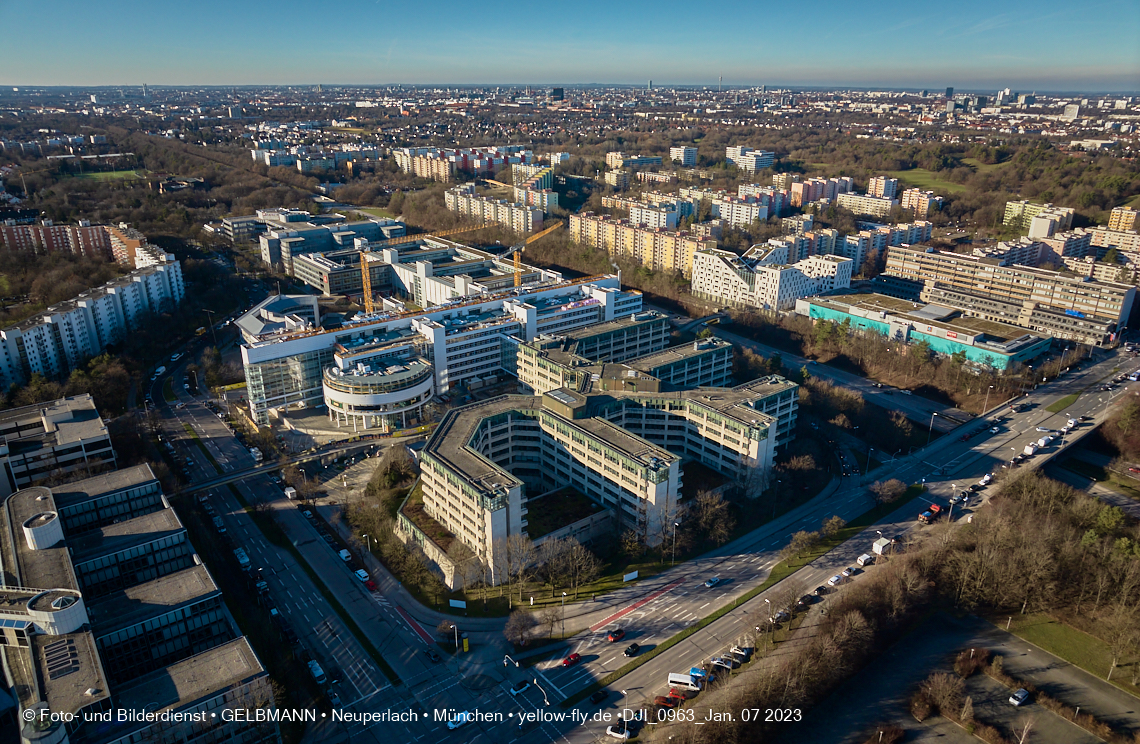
255, 453
242, 559
290, 493
684, 681
1030, 449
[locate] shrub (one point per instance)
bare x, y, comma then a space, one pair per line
920, 707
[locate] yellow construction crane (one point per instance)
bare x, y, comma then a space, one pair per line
366, 280
517, 249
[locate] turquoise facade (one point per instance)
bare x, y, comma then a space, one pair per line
982, 356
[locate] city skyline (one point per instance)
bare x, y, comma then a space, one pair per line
1040, 46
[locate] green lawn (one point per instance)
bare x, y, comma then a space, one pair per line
1110, 480
925, 179
1135, 203
1059, 405
1074, 646
109, 175
378, 212
168, 390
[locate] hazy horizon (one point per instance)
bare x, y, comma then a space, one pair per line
1042, 46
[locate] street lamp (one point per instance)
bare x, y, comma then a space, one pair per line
212, 329
986, 405
456, 648
930, 433
867, 469
563, 614
673, 560
369, 542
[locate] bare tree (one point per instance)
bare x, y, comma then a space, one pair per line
712, 516
519, 623
520, 555
888, 491
582, 565
632, 545
549, 618
1022, 734
465, 562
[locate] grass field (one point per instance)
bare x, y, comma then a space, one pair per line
925, 179
121, 175
378, 212
1059, 405
1089, 653
1135, 203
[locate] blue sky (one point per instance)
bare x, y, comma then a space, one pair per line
1044, 45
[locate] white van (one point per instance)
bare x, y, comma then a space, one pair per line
684, 681
317, 672
865, 559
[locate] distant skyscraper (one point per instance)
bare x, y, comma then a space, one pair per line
949, 92
1072, 111
319, 89
719, 83
925, 93
557, 94
146, 94
650, 85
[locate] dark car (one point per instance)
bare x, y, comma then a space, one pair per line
435, 658
599, 696
819, 591
804, 601
632, 650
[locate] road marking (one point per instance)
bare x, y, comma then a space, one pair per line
636, 605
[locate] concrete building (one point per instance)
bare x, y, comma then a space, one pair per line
279, 314
1102, 240
814, 189
660, 250
619, 160
520, 218
655, 217
470, 339
922, 202
870, 205
83, 239
63, 337
1021, 214
495, 468
984, 343
292, 234
441, 165
776, 200
883, 187
108, 607
686, 156
1123, 219
764, 278
749, 160
739, 212
50, 439
619, 179
1047, 302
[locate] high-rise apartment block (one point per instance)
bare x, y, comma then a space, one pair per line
619, 179
1048, 302
874, 206
883, 187
749, 160
1123, 219
686, 156
657, 217
764, 278
660, 250
82, 239
518, 217
814, 189
1041, 220
441, 165
922, 202
61, 338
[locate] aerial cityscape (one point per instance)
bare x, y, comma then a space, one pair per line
607, 381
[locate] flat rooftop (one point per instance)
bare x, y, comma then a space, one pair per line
47, 568
609, 326
58, 423
922, 314
124, 535
67, 666
138, 603
115, 480
190, 680
678, 353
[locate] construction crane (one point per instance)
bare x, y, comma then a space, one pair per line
517, 250
366, 275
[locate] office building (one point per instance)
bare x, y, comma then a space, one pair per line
108, 607
983, 343
619, 160
749, 160
520, 218
61, 338
469, 339
949, 92
657, 249
290, 234
1047, 302
861, 204
609, 449
764, 278
52, 439
921, 202
883, 187
1123, 219
686, 156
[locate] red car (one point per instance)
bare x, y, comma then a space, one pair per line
1134, 470
571, 660
616, 635
370, 585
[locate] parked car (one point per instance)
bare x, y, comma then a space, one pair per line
835, 580
571, 660
665, 702
1019, 697
461, 719
618, 731
361, 574
519, 687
